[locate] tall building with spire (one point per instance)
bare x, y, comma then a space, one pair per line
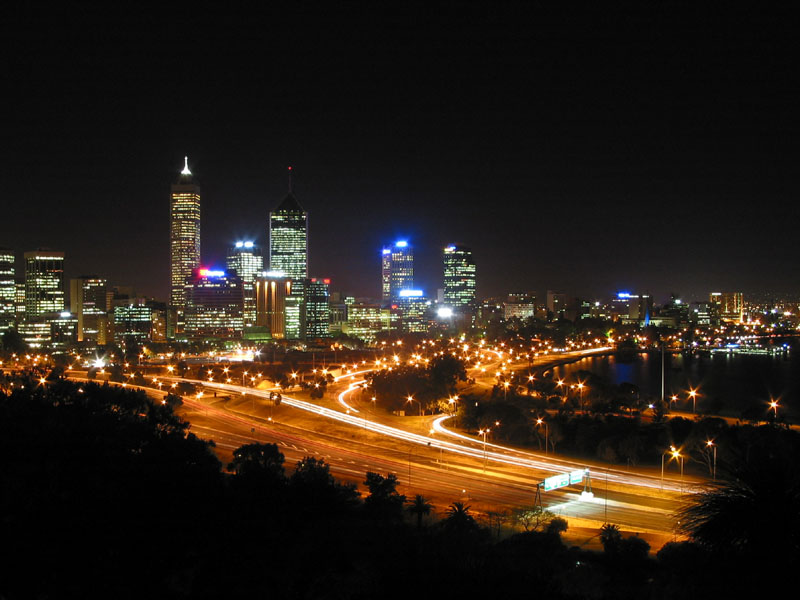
184, 219
288, 254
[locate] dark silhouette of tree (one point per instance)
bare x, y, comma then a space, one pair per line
459, 519
419, 507
383, 500
751, 513
13, 342
258, 460
314, 488
610, 537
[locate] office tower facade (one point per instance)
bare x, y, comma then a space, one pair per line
246, 259
317, 306
288, 254
729, 305
214, 304
184, 240
8, 290
397, 270
272, 289
413, 307
44, 283
459, 278
87, 301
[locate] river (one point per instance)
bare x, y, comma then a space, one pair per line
725, 383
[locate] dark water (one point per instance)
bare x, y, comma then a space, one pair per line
730, 383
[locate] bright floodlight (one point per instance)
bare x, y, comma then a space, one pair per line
99, 363
401, 243
410, 293
444, 312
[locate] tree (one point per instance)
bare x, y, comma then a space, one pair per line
258, 460
13, 342
610, 537
419, 507
383, 499
533, 518
459, 519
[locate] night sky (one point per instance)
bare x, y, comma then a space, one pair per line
644, 146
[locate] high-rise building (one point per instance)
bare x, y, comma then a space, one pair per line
44, 283
397, 270
87, 301
459, 278
184, 239
317, 307
730, 305
413, 307
214, 304
288, 254
272, 289
246, 259
8, 290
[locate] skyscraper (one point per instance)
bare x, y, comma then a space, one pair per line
397, 270
459, 278
288, 254
247, 260
44, 283
317, 308
184, 239
214, 304
87, 301
8, 290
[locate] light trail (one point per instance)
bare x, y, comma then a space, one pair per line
509, 456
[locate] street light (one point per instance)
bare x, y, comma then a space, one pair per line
541, 421
483, 432
411, 399
693, 396
674, 453
774, 406
710, 444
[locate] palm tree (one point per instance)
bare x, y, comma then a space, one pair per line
752, 511
420, 507
458, 518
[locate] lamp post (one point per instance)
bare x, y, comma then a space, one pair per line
505, 390
710, 444
674, 453
580, 394
410, 399
693, 396
483, 432
774, 406
541, 421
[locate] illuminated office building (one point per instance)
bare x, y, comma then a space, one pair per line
271, 290
366, 321
44, 283
246, 260
729, 305
317, 306
87, 301
214, 304
413, 308
397, 270
184, 240
459, 278
288, 254
8, 290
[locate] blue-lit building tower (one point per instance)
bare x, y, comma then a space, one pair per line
397, 270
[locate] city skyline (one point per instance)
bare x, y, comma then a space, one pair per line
614, 149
